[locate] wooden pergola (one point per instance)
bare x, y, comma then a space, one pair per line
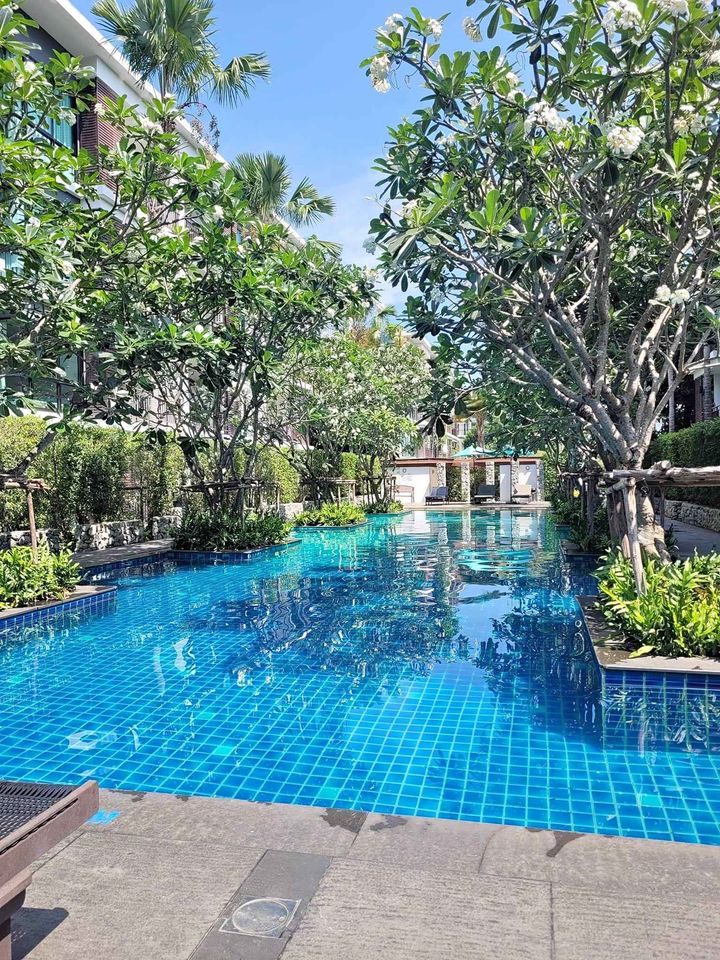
30, 485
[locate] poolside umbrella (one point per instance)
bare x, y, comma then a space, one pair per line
470, 452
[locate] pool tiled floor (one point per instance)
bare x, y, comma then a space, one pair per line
161, 878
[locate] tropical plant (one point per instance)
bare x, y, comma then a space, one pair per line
385, 506
26, 579
332, 515
677, 616
562, 214
172, 44
267, 186
225, 530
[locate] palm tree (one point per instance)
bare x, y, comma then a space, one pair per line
268, 187
170, 43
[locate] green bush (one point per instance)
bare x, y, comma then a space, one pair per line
697, 446
25, 581
332, 515
273, 467
454, 483
679, 616
385, 506
86, 468
219, 530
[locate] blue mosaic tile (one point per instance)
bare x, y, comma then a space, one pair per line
432, 664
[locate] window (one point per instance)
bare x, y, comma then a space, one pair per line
61, 131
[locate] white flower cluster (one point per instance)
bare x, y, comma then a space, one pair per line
393, 23
472, 30
447, 140
513, 79
713, 59
409, 208
673, 298
621, 15
689, 122
379, 71
150, 126
676, 8
543, 115
624, 141
433, 28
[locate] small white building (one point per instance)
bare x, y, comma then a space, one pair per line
416, 476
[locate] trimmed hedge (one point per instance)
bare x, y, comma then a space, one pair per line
273, 467
697, 446
454, 482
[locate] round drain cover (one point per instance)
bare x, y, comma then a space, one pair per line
261, 917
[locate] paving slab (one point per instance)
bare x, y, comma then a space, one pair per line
241, 823
421, 844
133, 551
130, 897
590, 926
592, 862
368, 911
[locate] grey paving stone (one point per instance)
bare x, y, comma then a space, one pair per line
229, 946
134, 897
227, 823
594, 862
439, 845
369, 911
590, 926
284, 874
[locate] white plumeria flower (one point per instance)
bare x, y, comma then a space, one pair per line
472, 30
66, 267
409, 208
394, 21
199, 328
218, 212
672, 298
624, 141
100, 109
433, 28
150, 126
543, 115
713, 59
381, 86
622, 15
676, 8
379, 70
512, 78
689, 121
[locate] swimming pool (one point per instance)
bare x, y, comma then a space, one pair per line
430, 664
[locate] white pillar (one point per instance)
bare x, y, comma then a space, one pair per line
540, 495
441, 474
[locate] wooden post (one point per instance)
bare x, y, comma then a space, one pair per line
33, 528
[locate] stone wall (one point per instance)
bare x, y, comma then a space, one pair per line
694, 513
21, 538
165, 528
115, 533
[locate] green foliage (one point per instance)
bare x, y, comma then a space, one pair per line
19, 436
219, 530
697, 446
25, 581
385, 506
348, 466
454, 482
332, 515
679, 616
273, 467
159, 469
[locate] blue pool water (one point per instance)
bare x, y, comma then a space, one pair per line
430, 664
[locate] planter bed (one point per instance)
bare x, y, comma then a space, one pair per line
81, 598
612, 651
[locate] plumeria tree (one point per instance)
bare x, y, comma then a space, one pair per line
559, 201
355, 393
89, 243
256, 302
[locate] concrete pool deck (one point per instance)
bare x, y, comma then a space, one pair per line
160, 877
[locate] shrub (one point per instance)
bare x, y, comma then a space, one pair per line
19, 436
679, 616
454, 482
331, 515
159, 469
219, 530
25, 581
273, 467
385, 506
697, 446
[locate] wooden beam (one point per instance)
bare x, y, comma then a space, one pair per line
672, 476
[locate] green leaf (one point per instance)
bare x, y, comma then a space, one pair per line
642, 651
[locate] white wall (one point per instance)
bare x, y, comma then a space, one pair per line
420, 478
505, 475
528, 475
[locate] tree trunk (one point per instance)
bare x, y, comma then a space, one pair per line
651, 533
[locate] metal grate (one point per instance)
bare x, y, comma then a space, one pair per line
21, 802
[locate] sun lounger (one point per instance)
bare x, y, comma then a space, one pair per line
523, 491
33, 818
437, 495
484, 491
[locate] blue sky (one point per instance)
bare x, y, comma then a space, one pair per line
319, 109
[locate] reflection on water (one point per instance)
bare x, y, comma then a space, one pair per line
430, 664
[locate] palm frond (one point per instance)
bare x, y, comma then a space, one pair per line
307, 205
